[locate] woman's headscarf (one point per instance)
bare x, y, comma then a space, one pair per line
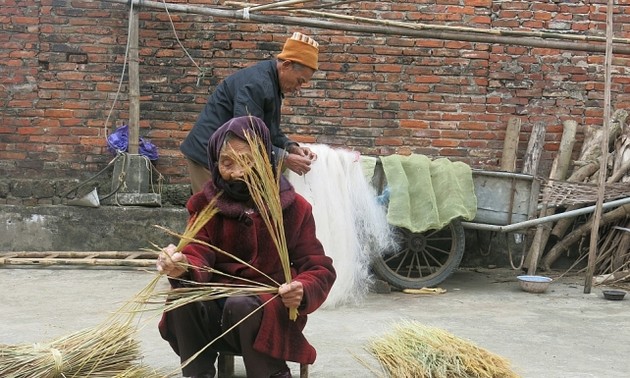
238, 126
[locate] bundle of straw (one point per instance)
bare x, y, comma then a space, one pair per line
413, 350
264, 187
107, 351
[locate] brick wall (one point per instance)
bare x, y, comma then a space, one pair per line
61, 60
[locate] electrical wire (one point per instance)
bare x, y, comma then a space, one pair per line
122, 74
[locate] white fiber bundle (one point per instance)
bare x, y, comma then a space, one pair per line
351, 225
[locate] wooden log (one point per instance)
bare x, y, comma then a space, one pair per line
620, 172
534, 149
510, 145
588, 163
530, 166
621, 158
560, 166
592, 144
508, 164
611, 278
559, 170
574, 236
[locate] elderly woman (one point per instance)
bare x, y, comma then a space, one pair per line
267, 338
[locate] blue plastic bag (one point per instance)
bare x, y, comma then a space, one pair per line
118, 141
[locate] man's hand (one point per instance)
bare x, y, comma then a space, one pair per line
291, 294
299, 159
298, 164
303, 151
170, 262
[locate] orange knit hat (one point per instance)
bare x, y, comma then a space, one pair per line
301, 49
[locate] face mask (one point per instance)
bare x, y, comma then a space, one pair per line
237, 190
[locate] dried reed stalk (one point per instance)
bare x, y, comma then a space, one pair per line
264, 187
413, 350
196, 223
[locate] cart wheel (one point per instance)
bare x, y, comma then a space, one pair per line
422, 259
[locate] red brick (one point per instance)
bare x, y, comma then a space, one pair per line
413, 123
389, 142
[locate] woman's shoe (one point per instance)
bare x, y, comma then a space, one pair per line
282, 374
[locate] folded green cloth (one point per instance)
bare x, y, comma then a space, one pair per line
428, 195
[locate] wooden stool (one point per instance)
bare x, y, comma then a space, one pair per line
226, 366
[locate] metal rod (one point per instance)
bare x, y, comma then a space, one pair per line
534, 222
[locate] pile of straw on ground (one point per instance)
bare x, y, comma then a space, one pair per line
413, 350
107, 351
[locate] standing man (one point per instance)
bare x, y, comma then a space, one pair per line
258, 91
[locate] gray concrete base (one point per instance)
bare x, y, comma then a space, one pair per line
75, 228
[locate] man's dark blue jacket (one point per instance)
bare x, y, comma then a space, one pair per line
255, 91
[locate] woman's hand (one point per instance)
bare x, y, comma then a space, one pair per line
170, 262
292, 294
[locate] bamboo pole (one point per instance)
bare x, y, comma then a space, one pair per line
80, 262
421, 26
83, 254
256, 7
82, 258
379, 29
592, 252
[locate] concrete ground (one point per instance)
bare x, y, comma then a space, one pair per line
562, 333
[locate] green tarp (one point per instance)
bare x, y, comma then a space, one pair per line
427, 194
